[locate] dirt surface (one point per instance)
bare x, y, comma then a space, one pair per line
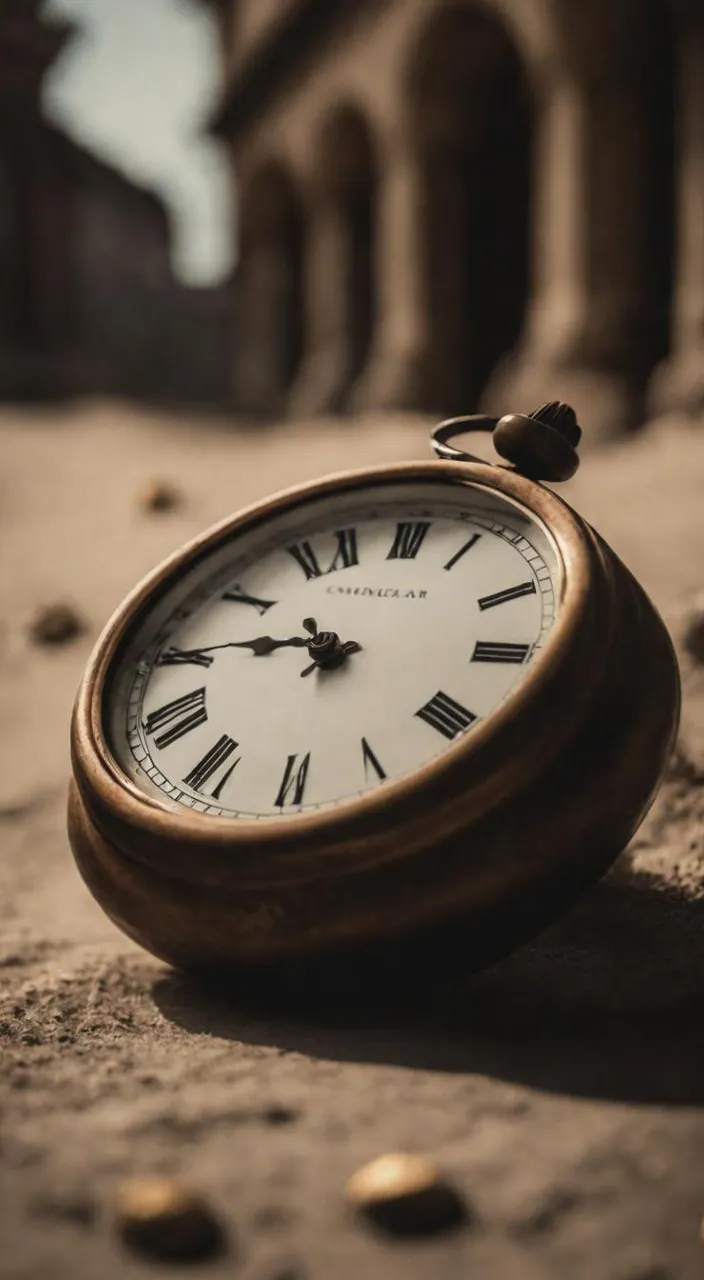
563, 1091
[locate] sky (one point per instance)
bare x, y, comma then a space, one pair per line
136, 86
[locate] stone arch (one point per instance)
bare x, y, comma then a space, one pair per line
654, 29
602, 261
341, 262
270, 287
625, 56
471, 118
347, 177
679, 381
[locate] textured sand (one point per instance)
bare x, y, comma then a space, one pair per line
563, 1091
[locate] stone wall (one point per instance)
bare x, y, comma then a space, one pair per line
88, 299
86, 255
451, 204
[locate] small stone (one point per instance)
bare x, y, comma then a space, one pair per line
694, 632
406, 1195
278, 1115
272, 1218
56, 624
159, 496
74, 1207
166, 1219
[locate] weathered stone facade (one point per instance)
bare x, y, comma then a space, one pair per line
31, 276
453, 202
88, 299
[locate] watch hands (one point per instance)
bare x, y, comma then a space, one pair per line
324, 647
260, 646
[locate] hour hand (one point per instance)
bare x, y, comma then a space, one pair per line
266, 644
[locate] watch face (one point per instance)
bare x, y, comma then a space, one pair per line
341, 643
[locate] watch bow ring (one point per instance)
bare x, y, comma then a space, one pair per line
542, 445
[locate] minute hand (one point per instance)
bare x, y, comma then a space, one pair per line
260, 646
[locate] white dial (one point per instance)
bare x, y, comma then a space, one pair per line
438, 597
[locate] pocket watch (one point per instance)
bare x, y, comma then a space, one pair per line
391, 721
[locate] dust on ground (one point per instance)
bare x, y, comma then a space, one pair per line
564, 1095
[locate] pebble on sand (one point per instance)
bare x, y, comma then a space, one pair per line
694, 631
56, 624
406, 1194
159, 496
168, 1220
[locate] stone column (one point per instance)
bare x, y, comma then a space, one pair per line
323, 378
261, 289
580, 341
679, 382
399, 372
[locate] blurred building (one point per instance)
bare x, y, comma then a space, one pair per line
88, 300
447, 202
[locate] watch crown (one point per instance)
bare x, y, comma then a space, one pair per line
543, 444
560, 417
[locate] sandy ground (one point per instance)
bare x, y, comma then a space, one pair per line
563, 1091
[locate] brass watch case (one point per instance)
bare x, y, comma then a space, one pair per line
450, 866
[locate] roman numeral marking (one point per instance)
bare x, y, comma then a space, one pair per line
304, 555
293, 782
446, 715
493, 651
408, 540
463, 550
209, 765
177, 717
184, 657
237, 596
511, 593
345, 554
370, 760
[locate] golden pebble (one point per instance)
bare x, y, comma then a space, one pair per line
166, 1219
406, 1194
